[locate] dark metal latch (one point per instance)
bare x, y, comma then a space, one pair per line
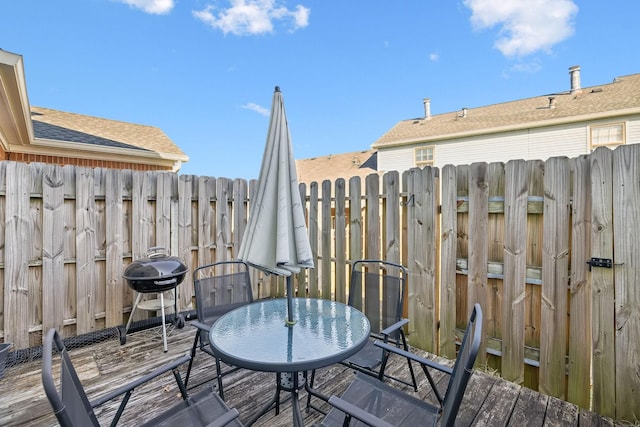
600, 262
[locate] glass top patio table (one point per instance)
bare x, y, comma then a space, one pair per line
255, 336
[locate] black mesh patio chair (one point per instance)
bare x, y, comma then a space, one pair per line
219, 288
377, 289
368, 401
73, 408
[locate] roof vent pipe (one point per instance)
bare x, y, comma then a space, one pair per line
427, 108
552, 102
464, 112
574, 72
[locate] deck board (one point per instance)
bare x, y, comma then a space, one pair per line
496, 408
530, 409
489, 401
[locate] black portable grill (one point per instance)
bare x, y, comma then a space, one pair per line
157, 273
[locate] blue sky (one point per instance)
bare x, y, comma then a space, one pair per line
204, 70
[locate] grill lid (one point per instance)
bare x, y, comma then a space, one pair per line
155, 270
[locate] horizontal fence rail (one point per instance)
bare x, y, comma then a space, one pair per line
549, 249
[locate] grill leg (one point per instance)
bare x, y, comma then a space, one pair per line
133, 310
164, 326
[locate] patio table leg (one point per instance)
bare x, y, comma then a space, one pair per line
294, 378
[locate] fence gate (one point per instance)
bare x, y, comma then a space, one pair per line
615, 282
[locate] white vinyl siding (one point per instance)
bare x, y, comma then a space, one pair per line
396, 159
526, 145
570, 140
531, 144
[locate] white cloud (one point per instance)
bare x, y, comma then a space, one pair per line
247, 17
526, 26
530, 67
434, 57
257, 108
156, 7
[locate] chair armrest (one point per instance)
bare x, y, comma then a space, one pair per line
225, 419
132, 385
396, 326
357, 413
201, 326
414, 357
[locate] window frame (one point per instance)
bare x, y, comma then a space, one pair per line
424, 163
593, 128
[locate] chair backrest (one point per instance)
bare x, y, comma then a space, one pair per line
220, 287
463, 367
376, 288
70, 403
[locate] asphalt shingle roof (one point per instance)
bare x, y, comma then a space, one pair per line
71, 127
334, 166
622, 94
58, 133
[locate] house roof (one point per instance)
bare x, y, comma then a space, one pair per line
620, 97
70, 127
334, 166
47, 132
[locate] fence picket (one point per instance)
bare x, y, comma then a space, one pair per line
626, 199
302, 277
603, 306
535, 221
341, 242
313, 238
579, 369
372, 217
477, 291
448, 246
186, 229
16, 257
555, 279
206, 219
53, 248
421, 258
355, 219
239, 209
86, 251
514, 288
164, 191
326, 242
113, 225
391, 217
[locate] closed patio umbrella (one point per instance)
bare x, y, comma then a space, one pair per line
276, 238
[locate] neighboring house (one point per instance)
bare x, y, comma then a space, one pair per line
34, 134
567, 123
334, 166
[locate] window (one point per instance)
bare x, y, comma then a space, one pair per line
425, 156
610, 135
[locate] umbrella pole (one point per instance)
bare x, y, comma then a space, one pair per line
290, 321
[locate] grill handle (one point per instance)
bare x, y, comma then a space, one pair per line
165, 282
157, 251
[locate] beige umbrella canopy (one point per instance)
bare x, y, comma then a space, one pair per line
276, 238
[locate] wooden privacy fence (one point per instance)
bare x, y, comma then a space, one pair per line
515, 237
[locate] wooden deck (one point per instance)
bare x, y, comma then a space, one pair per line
489, 400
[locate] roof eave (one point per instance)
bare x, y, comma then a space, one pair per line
15, 117
509, 128
117, 154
